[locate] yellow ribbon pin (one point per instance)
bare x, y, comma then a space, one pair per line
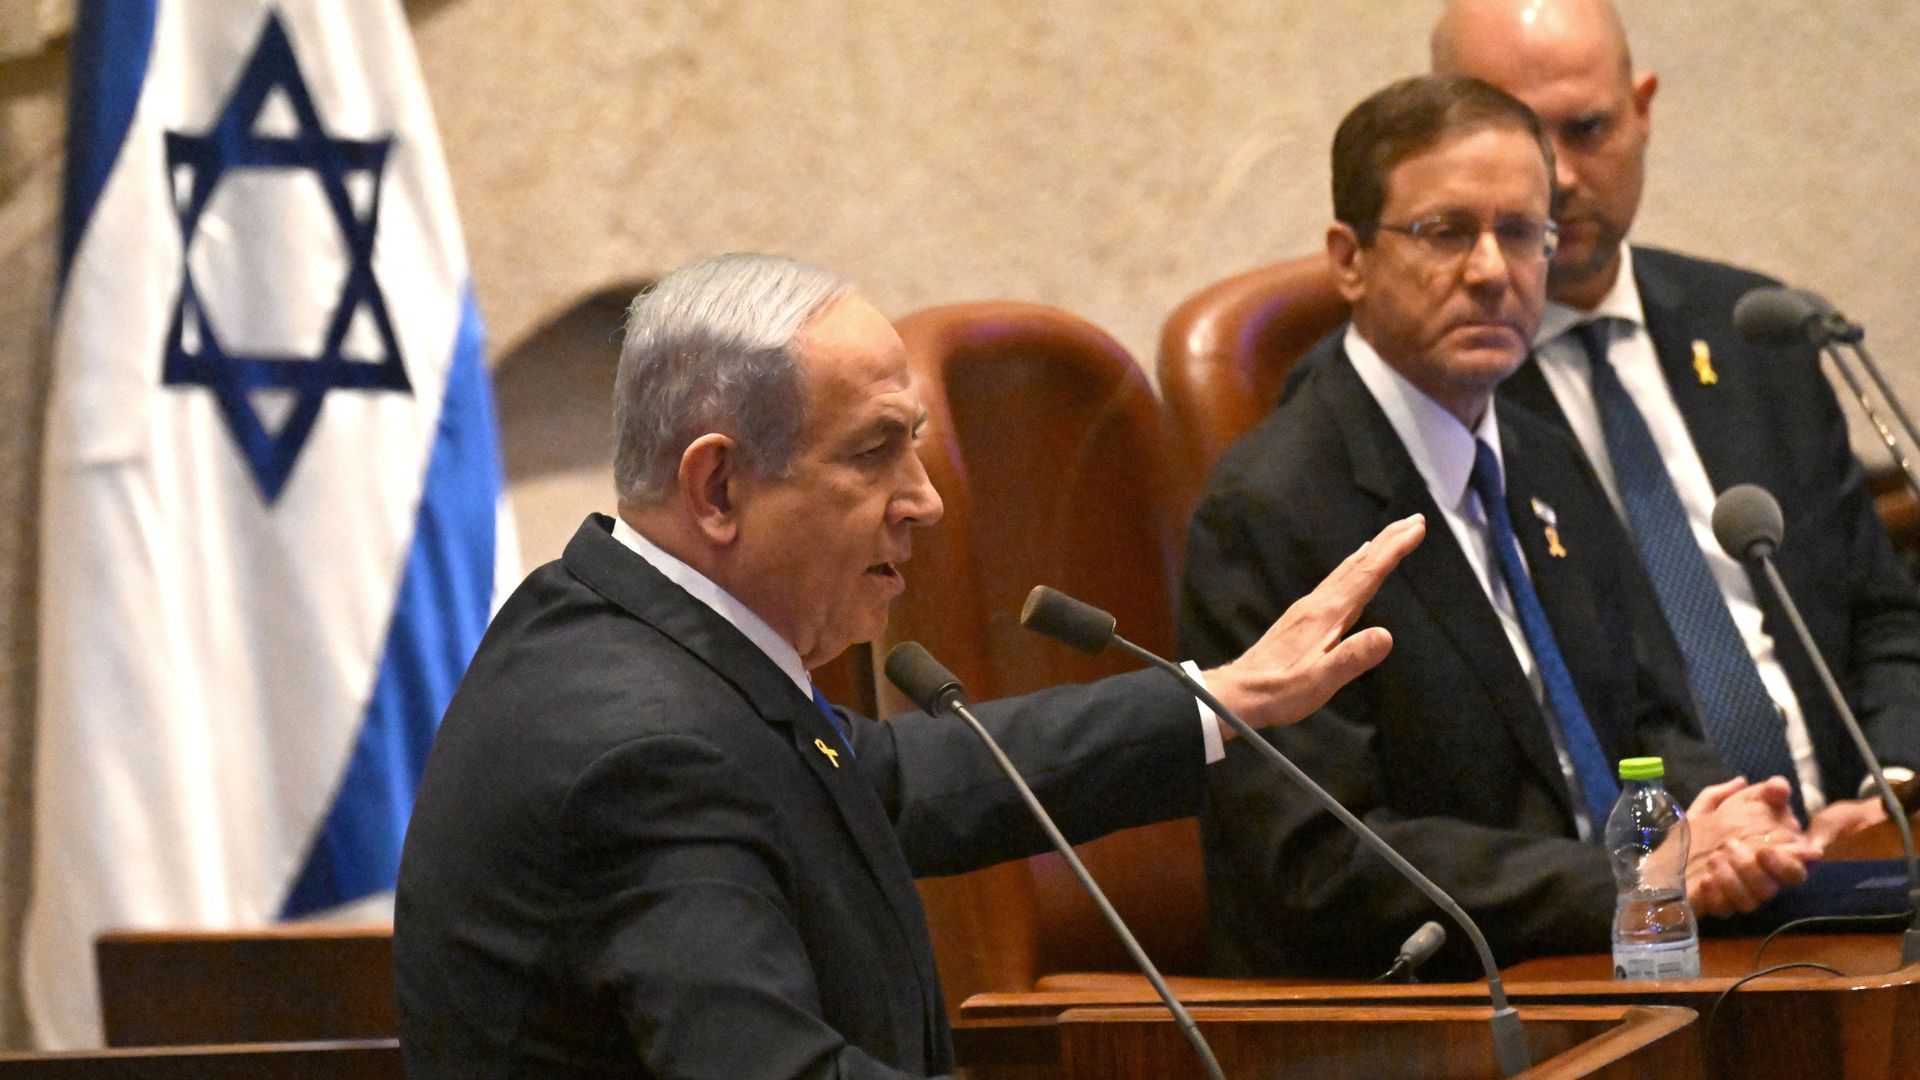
1552, 522
832, 754
1703, 363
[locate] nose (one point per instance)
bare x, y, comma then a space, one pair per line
1486, 263
918, 503
1564, 176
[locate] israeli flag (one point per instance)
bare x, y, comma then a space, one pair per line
272, 484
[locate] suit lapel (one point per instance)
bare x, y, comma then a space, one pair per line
1718, 432
1437, 571
626, 579
1533, 484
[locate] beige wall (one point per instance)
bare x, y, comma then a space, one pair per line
1108, 157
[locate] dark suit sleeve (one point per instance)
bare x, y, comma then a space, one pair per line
1120, 752
1297, 890
1882, 633
683, 918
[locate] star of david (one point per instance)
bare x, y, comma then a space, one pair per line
195, 355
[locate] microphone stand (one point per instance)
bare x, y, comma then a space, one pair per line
1853, 336
935, 689
1910, 942
1509, 1041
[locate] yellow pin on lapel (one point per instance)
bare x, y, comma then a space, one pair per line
1551, 520
832, 754
1703, 363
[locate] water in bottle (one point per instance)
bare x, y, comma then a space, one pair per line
1654, 934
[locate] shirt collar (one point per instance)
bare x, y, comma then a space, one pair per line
1441, 446
1621, 302
702, 588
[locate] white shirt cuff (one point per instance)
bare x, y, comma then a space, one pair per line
1209, 723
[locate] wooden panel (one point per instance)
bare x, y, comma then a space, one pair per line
277, 984
1794, 1024
364, 1060
1380, 1043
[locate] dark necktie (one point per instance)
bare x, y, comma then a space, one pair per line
839, 728
1590, 763
1741, 718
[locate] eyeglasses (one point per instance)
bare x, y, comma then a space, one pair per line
1451, 236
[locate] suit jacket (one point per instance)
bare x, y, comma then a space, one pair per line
1442, 749
1771, 419
633, 853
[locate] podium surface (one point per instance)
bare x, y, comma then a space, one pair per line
1373, 1043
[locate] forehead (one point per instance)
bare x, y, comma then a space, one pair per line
1558, 68
1491, 168
854, 365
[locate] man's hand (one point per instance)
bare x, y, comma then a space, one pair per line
1844, 817
1304, 658
1746, 844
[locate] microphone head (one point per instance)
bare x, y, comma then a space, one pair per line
925, 681
1747, 522
1420, 947
1059, 616
1771, 315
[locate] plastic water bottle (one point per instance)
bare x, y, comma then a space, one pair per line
1654, 933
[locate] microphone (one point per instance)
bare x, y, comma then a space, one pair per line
1771, 315
1747, 522
928, 684
1415, 952
1087, 628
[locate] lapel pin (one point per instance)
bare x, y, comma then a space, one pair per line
1551, 521
1703, 363
832, 754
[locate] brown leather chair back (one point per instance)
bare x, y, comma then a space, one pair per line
1050, 451
1226, 351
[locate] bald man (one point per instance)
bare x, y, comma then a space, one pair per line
1637, 357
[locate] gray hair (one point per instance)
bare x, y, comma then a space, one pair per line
713, 348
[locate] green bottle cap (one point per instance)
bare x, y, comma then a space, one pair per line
1642, 768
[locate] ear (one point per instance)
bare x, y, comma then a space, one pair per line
1343, 256
1645, 85
706, 482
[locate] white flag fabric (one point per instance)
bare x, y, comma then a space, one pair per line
271, 483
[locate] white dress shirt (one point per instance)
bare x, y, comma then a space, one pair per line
1443, 450
777, 648
1563, 361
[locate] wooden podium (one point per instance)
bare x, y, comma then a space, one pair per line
1372, 1043
1796, 1023
1787, 1025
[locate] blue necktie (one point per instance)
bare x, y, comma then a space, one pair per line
1590, 764
840, 729
1740, 717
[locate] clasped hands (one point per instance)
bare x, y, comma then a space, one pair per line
1747, 844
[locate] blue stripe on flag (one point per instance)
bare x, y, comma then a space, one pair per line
443, 606
107, 59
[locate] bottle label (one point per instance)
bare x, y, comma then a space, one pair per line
1677, 960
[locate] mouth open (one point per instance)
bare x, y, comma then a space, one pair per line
887, 572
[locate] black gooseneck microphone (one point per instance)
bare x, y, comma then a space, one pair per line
1747, 522
929, 684
1087, 628
1771, 315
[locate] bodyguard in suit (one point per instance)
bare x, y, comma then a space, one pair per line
1528, 658
644, 846
1638, 358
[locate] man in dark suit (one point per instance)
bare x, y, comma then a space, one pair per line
644, 845
1638, 358
1528, 658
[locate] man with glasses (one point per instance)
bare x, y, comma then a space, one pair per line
1528, 654
1638, 358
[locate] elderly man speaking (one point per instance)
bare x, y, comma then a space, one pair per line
645, 845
